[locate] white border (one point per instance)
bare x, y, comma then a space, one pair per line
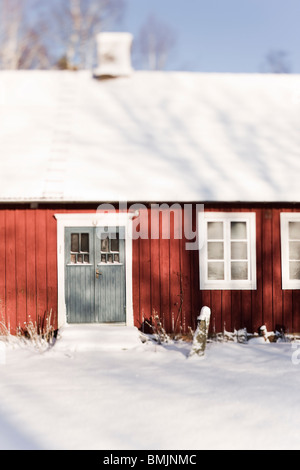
93, 220
285, 218
249, 284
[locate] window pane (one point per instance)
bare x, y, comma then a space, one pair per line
294, 250
85, 242
239, 270
86, 258
295, 270
73, 259
239, 250
104, 243
294, 230
103, 258
238, 230
215, 230
114, 242
116, 258
79, 258
110, 258
215, 271
215, 250
75, 242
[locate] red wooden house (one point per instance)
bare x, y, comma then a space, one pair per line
154, 192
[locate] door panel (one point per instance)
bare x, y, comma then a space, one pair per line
95, 274
110, 284
80, 286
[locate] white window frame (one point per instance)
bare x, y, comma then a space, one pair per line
93, 220
226, 218
285, 218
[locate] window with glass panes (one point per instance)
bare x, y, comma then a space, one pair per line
294, 250
227, 258
110, 252
290, 250
80, 248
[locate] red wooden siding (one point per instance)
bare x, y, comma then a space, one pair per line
269, 304
165, 274
28, 268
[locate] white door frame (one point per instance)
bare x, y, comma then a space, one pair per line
93, 220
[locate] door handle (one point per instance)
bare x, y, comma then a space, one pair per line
98, 274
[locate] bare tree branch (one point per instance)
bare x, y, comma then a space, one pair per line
33, 34
155, 42
21, 39
76, 24
276, 61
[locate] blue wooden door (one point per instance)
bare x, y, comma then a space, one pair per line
110, 274
95, 275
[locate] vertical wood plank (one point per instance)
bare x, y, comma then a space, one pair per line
30, 264
288, 314
21, 261
215, 305
246, 309
155, 260
10, 236
175, 271
198, 298
226, 298
164, 254
287, 300
3, 318
276, 257
226, 310
41, 264
145, 263
138, 320
238, 321
256, 320
296, 311
51, 265
267, 268
186, 281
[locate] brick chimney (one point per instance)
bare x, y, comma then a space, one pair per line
114, 55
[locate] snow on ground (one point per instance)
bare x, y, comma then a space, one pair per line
103, 388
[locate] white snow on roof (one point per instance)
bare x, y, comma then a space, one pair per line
153, 136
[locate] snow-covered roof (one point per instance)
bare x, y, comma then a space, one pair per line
153, 136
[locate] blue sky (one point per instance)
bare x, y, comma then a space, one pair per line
223, 35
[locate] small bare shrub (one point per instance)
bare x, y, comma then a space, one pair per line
156, 326
41, 333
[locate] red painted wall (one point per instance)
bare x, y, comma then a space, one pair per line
158, 265
164, 273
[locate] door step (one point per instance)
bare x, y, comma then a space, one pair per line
97, 337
